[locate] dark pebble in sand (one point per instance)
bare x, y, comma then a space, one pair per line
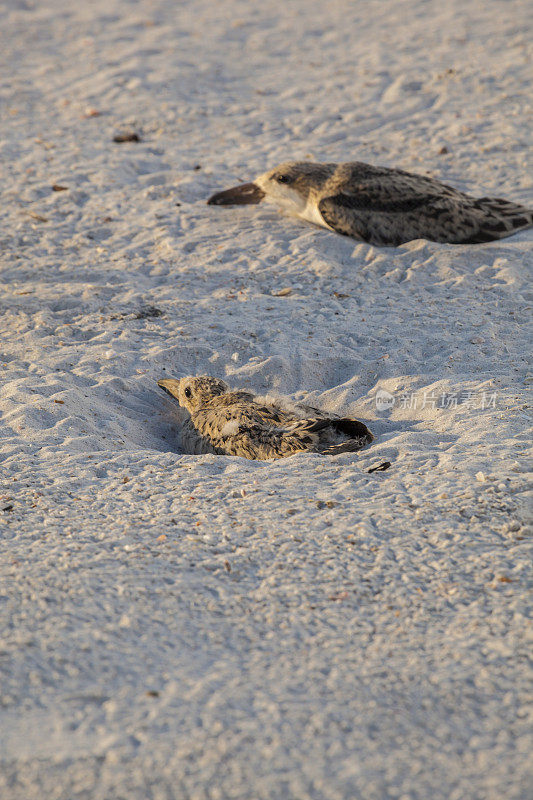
149, 311
127, 136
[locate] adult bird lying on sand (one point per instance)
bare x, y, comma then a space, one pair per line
381, 206
239, 423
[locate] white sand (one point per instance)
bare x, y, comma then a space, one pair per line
204, 627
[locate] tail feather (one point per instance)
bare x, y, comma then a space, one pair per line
354, 429
357, 433
328, 436
498, 218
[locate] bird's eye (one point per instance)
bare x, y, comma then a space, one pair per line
187, 392
283, 178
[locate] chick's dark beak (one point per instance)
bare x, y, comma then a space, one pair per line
245, 194
170, 386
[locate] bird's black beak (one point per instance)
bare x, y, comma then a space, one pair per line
245, 194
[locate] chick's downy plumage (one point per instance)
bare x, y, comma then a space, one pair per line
239, 423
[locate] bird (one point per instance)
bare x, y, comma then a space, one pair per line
380, 205
239, 423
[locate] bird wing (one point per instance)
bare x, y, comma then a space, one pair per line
388, 207
362, 217
252, 435
326, 436
264, 441
384, 206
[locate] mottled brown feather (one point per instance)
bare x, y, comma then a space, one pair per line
238, 423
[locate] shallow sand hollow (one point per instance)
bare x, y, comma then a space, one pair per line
209, 627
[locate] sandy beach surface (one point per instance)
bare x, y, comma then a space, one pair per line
186, 628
